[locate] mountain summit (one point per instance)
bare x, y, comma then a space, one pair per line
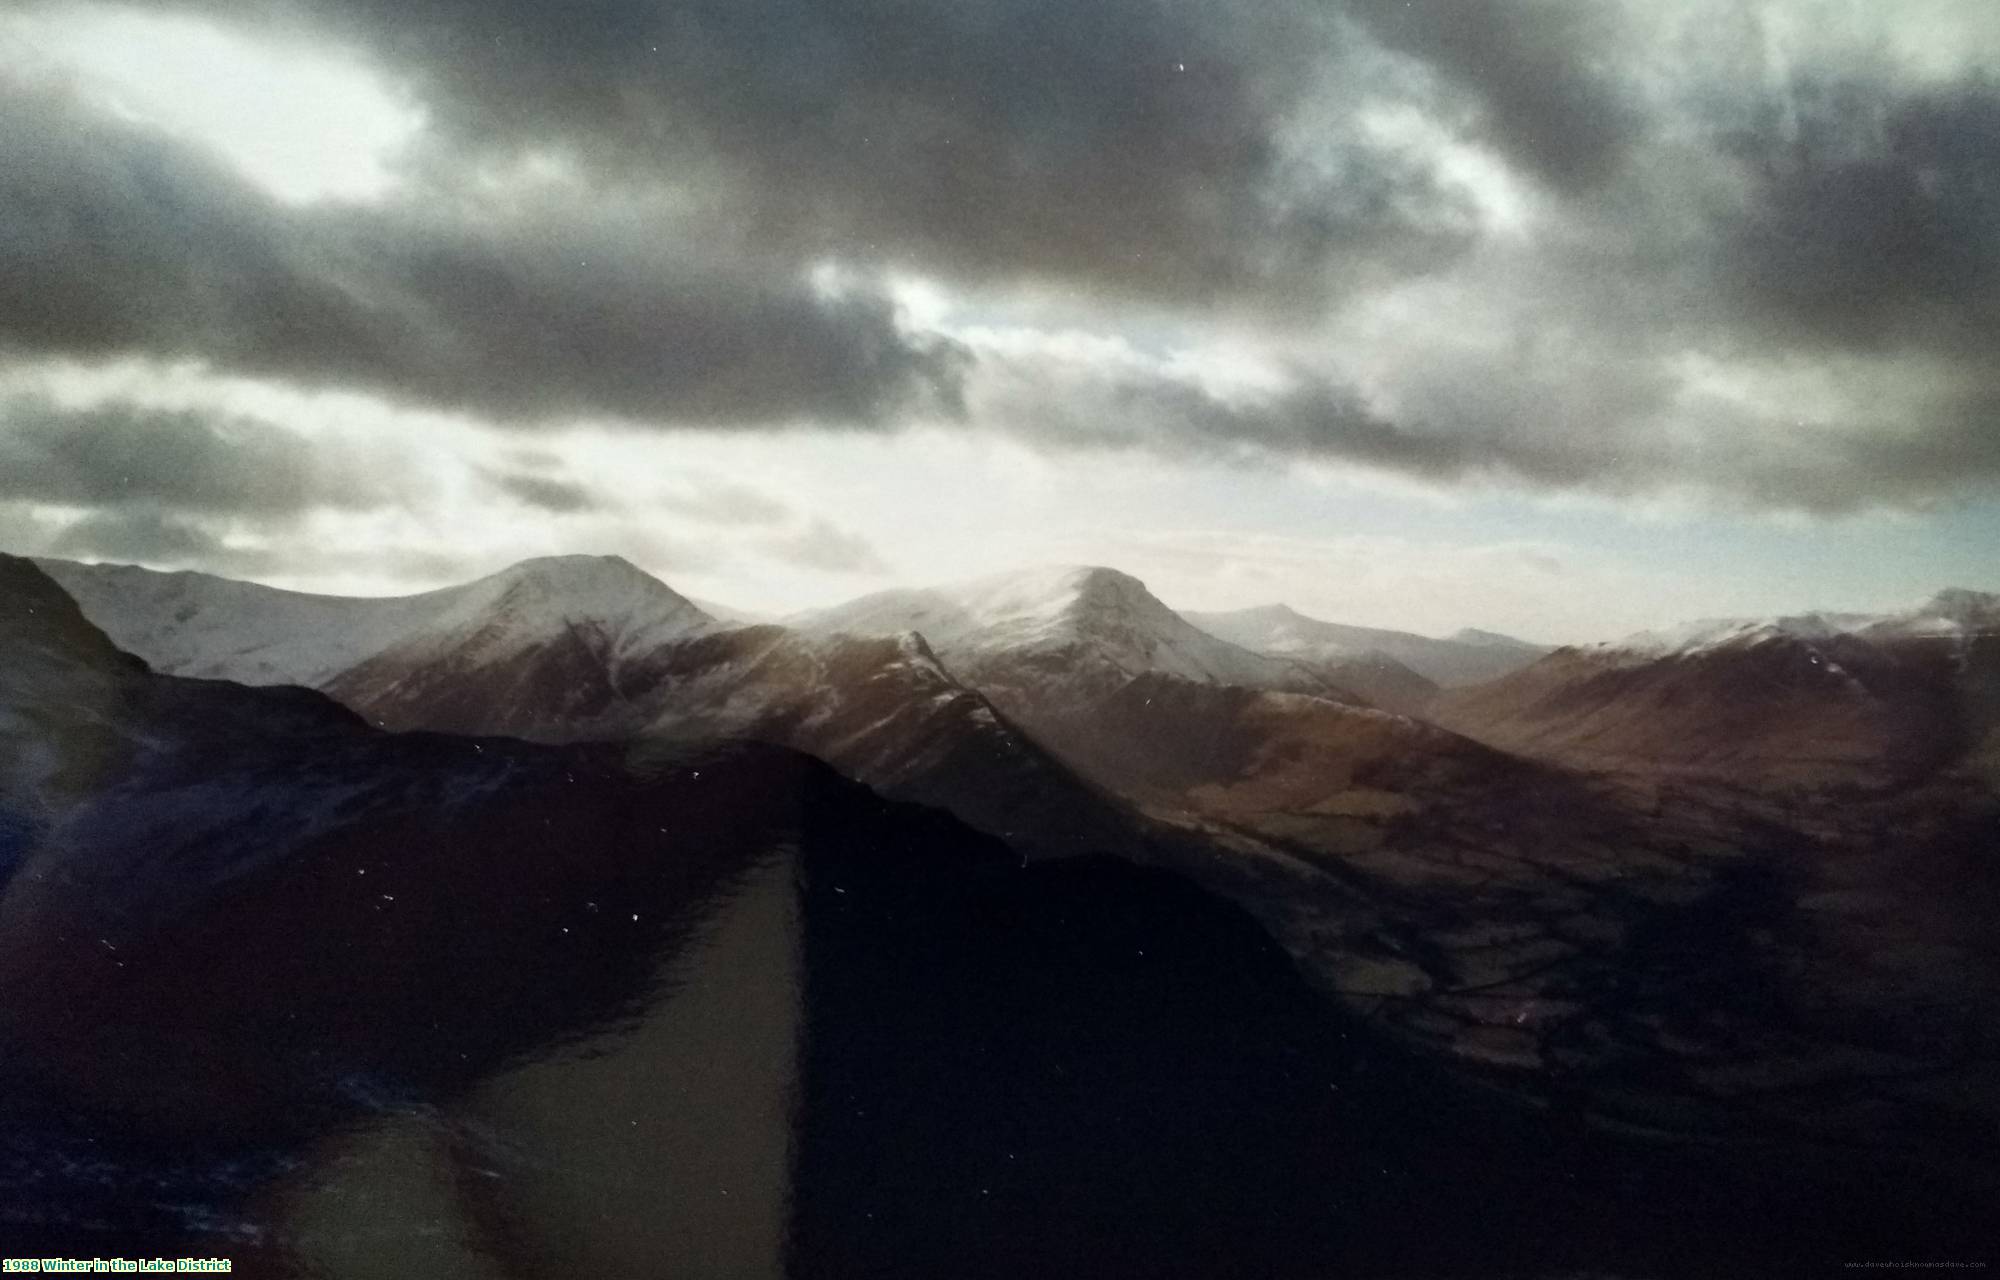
1082, 628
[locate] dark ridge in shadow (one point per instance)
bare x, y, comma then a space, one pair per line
1090, 1069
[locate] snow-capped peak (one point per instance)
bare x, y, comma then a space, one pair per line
1108, 612
538, 598
1706, 634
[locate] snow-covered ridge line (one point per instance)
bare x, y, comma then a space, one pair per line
1951, 614
1108, 613
200, 625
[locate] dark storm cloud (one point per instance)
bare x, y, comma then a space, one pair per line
125, 455
116, 241
558, 497
1875, 220
150, 536
1135, 146
1315, 420
1540, 74
165, 540
1692, 200
1608, 434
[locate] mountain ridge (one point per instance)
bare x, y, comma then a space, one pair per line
571, 649
1806, 698
1279, 629
199, 624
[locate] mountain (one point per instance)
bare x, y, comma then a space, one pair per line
1139, 700
1273, 761
1807, 699
199, 625
552, 649
883, 710
1466, 657
1278, 632
1064, 632
580, 648
730, 613
260, 960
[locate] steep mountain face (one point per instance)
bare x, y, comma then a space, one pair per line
583, 648
882, 710
1808, 699
1467, 657
77, 714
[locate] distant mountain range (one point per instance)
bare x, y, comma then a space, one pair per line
1141, 700
953, 695
1802, 700
1018, 701
591, 648
1466, 657
1659, 880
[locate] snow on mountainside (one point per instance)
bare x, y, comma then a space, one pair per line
1707, 634
1955, 613
1467, 657
1104, 623
198, 625
1808, 698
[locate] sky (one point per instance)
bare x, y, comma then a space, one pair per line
1565, 318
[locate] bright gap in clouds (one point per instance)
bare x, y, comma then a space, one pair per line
303, 123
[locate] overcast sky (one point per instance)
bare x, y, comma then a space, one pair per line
1560, 317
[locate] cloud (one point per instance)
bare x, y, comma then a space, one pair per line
826, 547
716, 501
1536, 74
1757, 270
148, 536
1147, 148
119, 241
1873, 219
1555, 419
558, 497
119, 455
